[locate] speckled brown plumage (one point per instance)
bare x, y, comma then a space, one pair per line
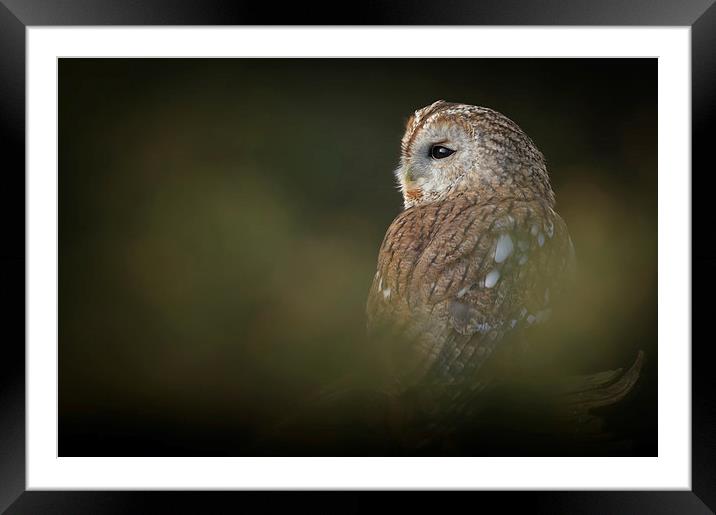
475, 258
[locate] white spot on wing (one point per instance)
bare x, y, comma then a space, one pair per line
386, 293
540, 239
483, 328
462, 292
550, 229
504, 248
491, 278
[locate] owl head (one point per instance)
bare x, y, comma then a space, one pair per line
449, 148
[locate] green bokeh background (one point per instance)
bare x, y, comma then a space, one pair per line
219, 221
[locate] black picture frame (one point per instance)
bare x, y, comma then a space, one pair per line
17, 15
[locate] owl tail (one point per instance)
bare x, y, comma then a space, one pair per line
588, 392
581, 398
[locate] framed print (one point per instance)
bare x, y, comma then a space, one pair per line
432, 250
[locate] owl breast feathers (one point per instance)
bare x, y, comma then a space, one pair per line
477, 255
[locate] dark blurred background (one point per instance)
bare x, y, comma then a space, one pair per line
219, 221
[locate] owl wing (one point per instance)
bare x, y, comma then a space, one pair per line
455, 280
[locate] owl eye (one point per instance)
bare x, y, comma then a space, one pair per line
440, 152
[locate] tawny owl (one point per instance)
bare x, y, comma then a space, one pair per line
474, 259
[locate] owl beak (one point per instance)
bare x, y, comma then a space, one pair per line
409, 184
413, 177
